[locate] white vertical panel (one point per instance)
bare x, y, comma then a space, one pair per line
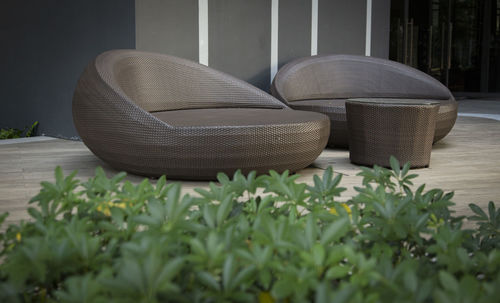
314, 27
368, 39
203, 31
274, 37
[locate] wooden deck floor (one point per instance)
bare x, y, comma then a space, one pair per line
467, 161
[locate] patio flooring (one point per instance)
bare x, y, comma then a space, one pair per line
466, 162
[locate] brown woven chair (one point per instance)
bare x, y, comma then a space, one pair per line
323, 84
153, 114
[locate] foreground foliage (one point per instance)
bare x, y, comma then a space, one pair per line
249, 239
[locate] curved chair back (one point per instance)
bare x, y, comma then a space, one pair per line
157, 82
349, 76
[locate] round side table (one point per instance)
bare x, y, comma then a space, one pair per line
381, 127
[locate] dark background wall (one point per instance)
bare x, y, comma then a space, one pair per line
45, 46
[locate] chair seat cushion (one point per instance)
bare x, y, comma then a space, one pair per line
202, 142
196, 144
220, 117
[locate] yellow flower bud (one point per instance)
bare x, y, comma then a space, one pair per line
104, 209
333, 211
347, 208
265, 297
120, 205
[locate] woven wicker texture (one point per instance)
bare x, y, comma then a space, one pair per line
125, 98
327, 81
377, 131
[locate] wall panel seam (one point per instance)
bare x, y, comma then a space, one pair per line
274, 37
203, 31
368, 37
314, 27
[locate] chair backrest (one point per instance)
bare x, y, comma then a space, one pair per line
157, 82
348, 76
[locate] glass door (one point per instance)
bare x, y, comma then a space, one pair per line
494, 50
455, 41
465, 52
438, 47
420, 35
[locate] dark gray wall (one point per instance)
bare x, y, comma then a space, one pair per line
45, 47
341, 26
381, 23
239, 35
239, 31
168, 27
294, 30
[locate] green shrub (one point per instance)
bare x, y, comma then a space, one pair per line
13, 133
249, 239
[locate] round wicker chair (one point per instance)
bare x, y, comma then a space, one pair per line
324, 83
153, 114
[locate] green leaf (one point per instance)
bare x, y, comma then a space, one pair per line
197, 247
491, 211
406, 168
448, 281
318, 254
310, 230
208, 280
322, 293
243, 276
171, 269
283, 288
337, 272
442, 297
344, 294
80, 289
477, 210
209, 214
5, 215
223, 178
395, 165
227, 272
224, 209
334, 231
411, 281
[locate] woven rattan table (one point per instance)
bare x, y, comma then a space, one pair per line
381, 127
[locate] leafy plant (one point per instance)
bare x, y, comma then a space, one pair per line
249, 239
12, 133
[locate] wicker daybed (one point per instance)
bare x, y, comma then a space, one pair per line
324, 83
153, 114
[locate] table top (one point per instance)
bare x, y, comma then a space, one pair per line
394, 101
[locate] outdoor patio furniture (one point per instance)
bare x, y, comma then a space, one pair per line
153, 114
324, 83
379, 128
